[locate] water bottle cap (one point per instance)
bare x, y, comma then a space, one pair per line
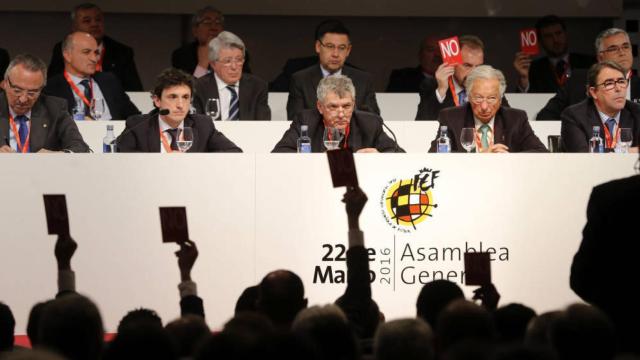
109, 127
596, 128
443, 128
304, 127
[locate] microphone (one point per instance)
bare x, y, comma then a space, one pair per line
137, 124
395, 140
163, 112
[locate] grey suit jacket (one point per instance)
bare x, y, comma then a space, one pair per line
52, 127
253, 96
302, 90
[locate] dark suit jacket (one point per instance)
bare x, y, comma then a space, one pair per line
406, 80
4, 61
185, 58
365, 131
302, 91
542, 78
578, 121
573, 92
607, 260
253, 96
510, 127
429, 107
52, 127
120, 106
118, 59
141, 134
292, 66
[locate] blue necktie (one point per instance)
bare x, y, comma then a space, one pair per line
611, 125
23, 130
462, 97
234, 107
87, 94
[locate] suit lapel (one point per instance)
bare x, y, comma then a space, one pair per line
635, 88
312, 85
4, 118
153, 135
354, 141
244, 99
500, 130
39, 127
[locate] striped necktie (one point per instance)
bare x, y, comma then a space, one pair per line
234, 106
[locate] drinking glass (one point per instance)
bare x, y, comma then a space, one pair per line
625, 138
185, 139
332, 137
212, 108
97, 108
468, 139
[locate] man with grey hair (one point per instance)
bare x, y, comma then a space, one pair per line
335, 108
193, 58
114, 56
241, 96
499, 129
29, 121
613, 45
407, 339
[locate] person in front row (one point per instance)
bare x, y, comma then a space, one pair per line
499, 129
160, 130
241, 96
606, 107
29, 121
362, 131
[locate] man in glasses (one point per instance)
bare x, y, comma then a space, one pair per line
161, 130
606, 107
333, 46
114, 57
240, 96
499, 129
193, 58
336, 108
611, 45
29, 121
90, 95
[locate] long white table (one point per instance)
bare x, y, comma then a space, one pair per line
261, 136
393, 106
253, 213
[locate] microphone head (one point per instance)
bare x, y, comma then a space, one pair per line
163, 112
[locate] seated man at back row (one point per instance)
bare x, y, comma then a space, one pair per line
362, 131
606, 107
499, 129
29, 121
160, 131
241, 96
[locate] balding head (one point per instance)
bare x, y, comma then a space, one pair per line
80, 52
281, 296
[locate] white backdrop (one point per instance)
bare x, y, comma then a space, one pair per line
252, 213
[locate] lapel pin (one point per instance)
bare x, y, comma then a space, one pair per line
44, 125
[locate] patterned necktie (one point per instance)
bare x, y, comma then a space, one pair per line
87, 95
174, 138
484, 129
23, 130
462, 97
611, 125
234, 107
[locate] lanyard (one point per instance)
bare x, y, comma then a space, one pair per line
165, 142
77, 91
453, 92
611, 142
21, 148
346, 137
99, 63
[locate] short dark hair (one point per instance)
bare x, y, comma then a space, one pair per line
7, 327
196, 19
281, 296
140, 315
83, 6
171, 77
471, 41
549, 20
595, 69
434, 298
333, 26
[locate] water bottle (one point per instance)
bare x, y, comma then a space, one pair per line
596, 144
78, 110
109, 141
444, 144
304, 141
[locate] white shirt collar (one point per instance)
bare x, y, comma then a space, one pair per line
326, 72
221, 84
554, 60
76, 79
479, 123
604, 117
164, 126
13, 113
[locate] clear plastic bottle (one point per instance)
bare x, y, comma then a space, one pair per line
596, 144
109, 141
444, 143
304, 141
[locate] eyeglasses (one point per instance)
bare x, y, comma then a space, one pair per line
229, 61
617, 49
491, 100
335, 108
331, 47
609, 84
210, 23
18, 91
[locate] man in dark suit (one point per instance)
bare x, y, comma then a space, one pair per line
409, 79
4, 61
546, 74
115, 57
499, 129
611, 44
335, 108
160, 131
240, 96
333, 47
193, 58
607, 107
79, 83
30, 122
447, 88
607, 259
